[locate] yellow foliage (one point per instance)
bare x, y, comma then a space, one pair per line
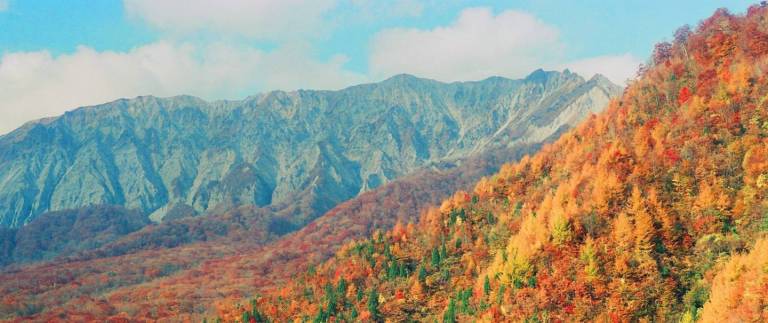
588, 255
644, 230
740, 289
417, 290
484, 188
623, 232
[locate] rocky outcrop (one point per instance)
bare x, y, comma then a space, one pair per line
183, 155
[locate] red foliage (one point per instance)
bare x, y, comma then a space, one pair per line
684, 95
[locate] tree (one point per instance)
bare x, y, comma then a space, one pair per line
417, 291
739, 291
486, 286
435, 259
422, 273
443, 250
450, 313
662, 52
341, 289
684, 95
463, 296
359, 296
622, 232
644, 230
588, 256
373, 305
682, 34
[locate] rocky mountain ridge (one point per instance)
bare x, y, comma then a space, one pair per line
183, 155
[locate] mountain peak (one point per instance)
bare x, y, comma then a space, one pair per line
401, 77
539, 75
600, 78
404, 78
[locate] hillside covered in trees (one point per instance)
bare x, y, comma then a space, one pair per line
184, 268
654, 210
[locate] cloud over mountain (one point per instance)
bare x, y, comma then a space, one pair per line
234, 48
39, 84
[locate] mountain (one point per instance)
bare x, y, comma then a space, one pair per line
229, 258
172, 252
654, 210
309, 150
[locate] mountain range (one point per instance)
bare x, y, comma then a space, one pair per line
292, 156
160, 178
183, 155
546, 199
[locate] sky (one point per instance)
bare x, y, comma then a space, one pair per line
59, 55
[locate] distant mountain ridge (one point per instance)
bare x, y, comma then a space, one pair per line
314, 149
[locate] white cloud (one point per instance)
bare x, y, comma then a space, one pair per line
37, 84
3, 5
263, 19
477, 45
617, 68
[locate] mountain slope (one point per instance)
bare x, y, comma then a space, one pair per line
318, 147
640, 213
230, 262
171, 253
70, 231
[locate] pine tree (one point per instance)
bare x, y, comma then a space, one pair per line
487, 286
422, 273
464, 298
435, 259
342, 287
443, 250
450, 313
373, 305
255, 314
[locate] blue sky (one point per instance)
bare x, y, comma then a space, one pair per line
57, 55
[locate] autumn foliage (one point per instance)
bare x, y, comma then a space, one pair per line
654, 210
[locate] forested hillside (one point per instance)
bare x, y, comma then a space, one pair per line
185, 268
654, 210
67, 232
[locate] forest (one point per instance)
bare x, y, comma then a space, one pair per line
654, 210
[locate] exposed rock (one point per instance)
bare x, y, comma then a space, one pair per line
317, 147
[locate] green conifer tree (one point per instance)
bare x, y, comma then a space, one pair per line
373, 305
450, 314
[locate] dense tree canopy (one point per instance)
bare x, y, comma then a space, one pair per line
653, 210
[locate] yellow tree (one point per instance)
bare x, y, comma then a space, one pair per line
622, 236
644, 230
740, 290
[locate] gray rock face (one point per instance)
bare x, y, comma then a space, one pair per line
157, 155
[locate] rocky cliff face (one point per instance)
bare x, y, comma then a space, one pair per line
177, 155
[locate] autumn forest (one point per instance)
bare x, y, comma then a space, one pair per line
653, 210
